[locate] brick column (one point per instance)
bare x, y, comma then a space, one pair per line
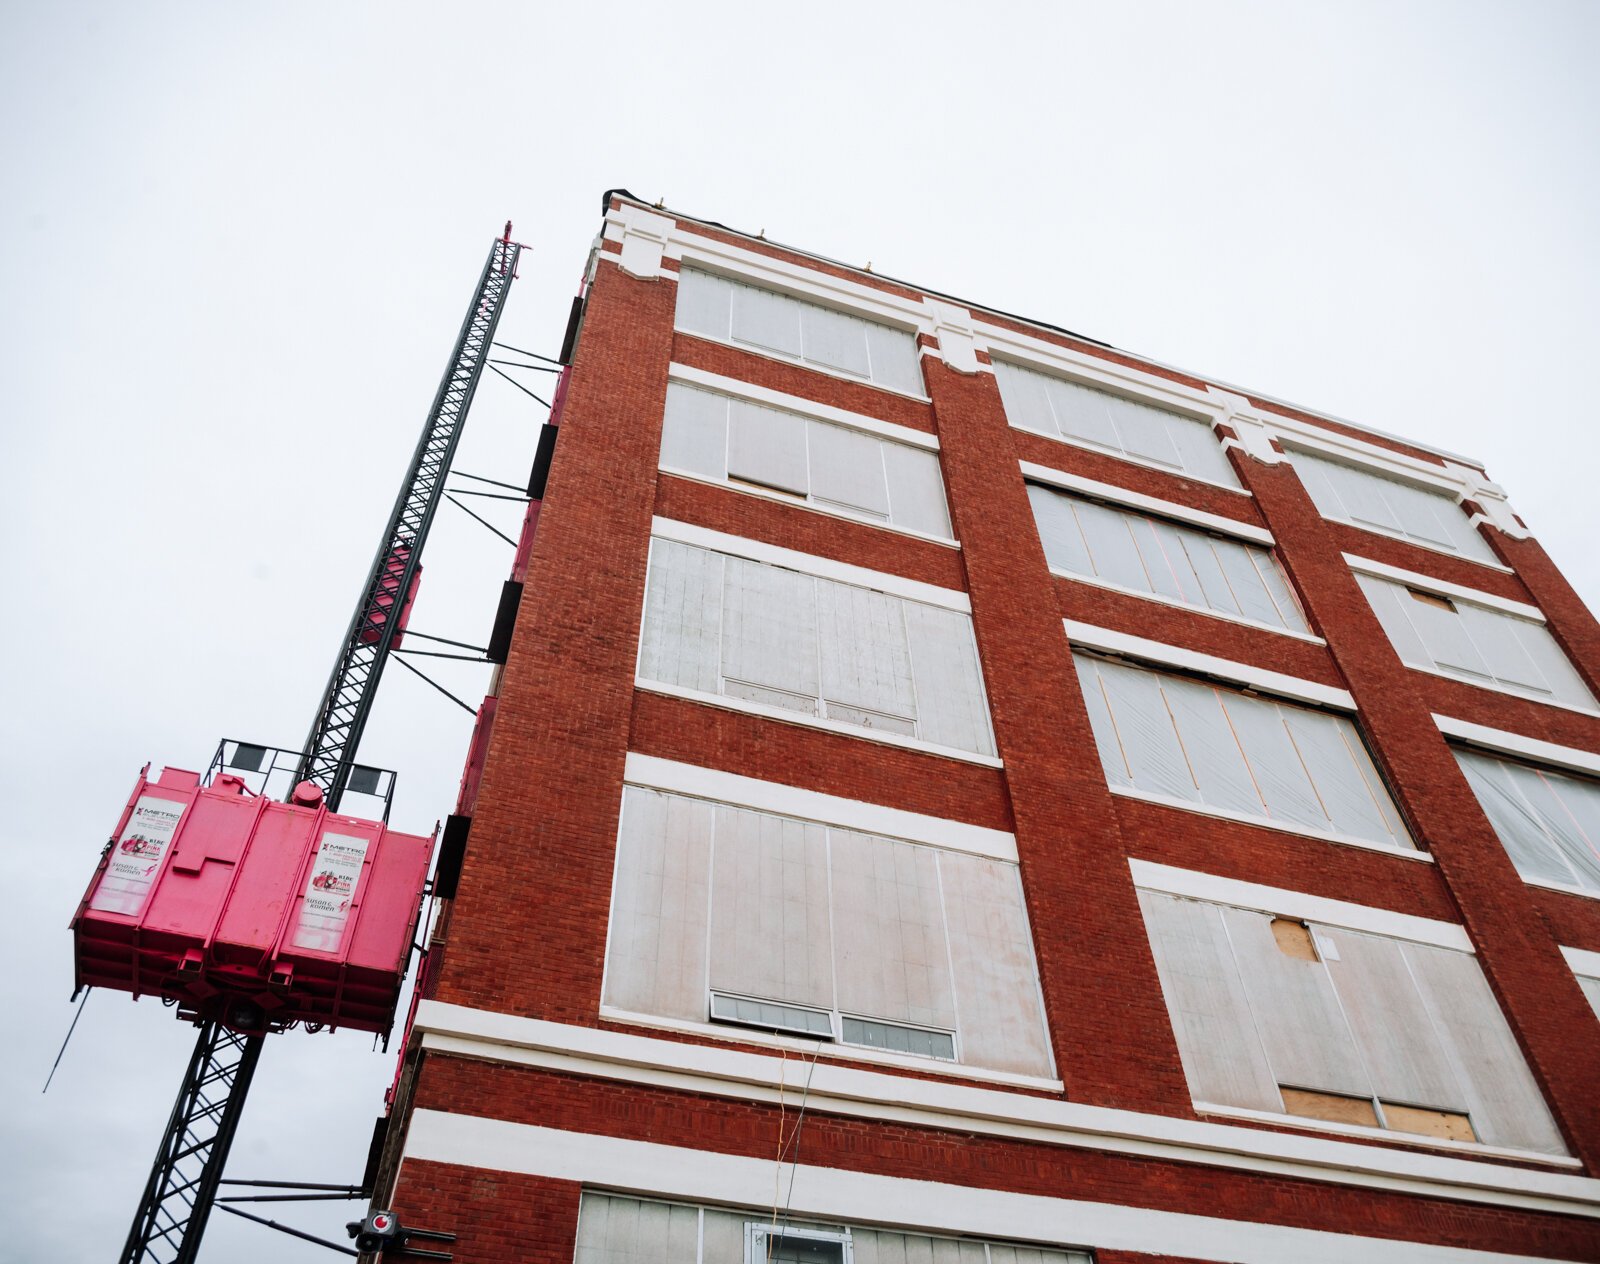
1537, 991
545, 832
1109, 1029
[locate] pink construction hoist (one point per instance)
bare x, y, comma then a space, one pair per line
251, 914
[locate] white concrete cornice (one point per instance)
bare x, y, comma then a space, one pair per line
1403, 1165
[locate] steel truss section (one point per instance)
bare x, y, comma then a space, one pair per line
331, 747
183, 1182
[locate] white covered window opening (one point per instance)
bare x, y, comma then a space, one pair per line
1193, 744
728, 914
1475, 643
832, 467
1127, 427
794, 329
786, 641
1548, 822
1377, 502
618, 1229
1300, 1018
1158, 558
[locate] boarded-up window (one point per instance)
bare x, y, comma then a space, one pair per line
1377, 502
1114, 423
1371, 1030
1164, 559
727, 626
852, 936
831, 467
613, 1229
1188, 742
781, 325
1475, 643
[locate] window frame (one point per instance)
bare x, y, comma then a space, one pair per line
818, 568
808, 412
776, 286
1033, 476
1096, 377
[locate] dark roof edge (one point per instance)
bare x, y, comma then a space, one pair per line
605, 205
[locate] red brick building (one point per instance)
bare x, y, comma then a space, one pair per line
960, 791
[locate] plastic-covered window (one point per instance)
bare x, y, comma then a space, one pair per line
781, 325
1128, 427
791, 925
1548, 822
1164, 559
1341, 1025
832, 467
1475, 643
1190, 743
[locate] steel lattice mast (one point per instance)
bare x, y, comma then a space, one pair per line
178, 1197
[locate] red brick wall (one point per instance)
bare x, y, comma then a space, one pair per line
498, 1217
725, 1126
528, 928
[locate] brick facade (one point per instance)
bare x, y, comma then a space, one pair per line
527, 932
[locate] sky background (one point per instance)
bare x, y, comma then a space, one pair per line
237, 241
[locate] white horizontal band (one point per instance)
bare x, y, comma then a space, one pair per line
812, 805
1285, 903
1247, 674
784, 716
740, 1074
1507, 743
1149, 504
810, 564
1412, 579
692, 376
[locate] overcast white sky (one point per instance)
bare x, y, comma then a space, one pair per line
237, 240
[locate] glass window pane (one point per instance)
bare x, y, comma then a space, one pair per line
1214, 587
866, 663
1325, 744
916, 490
951, 709
1245, 581
767, 320
770, 936
703, 304
1026, 399
1277, 586
679, 644
1145, 431
769, 634
1100, 722
1149, 740
1063, 542
834, 339
1083, 413
694, 434
895, 360
1163, 558
1213, 751
767, 447
1111, 547
1274, 762
847, 469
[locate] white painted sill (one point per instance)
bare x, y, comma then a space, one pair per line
1473, 1149
1173, 603
1282, 827
779, 358
1132, 460
814, 722
1507, 690
798, 502
1430, 548
831, 1050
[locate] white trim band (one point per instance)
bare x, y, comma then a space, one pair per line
1148, 504
1281, 902
1473, 596
809, 564
1503, 742
1092, 637
812, 805
716, 1071
839, 1195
